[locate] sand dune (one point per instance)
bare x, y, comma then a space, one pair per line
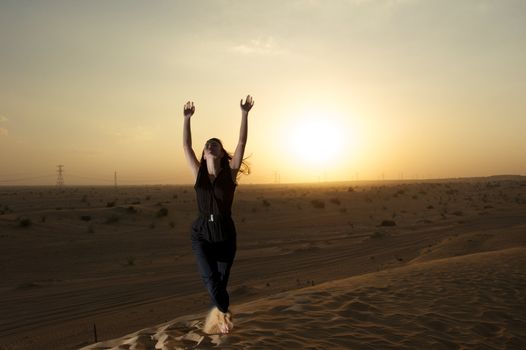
472, 301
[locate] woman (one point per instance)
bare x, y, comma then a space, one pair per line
214, 232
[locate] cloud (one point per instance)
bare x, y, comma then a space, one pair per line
139, 133
4, 132
132, 134
381, 3
265, 46
87, 152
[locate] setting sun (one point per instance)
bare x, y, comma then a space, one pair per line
316, 141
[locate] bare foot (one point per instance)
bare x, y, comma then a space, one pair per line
226, 323
212, 321
218, 322
223, 328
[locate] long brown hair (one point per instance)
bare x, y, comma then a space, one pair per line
225, 161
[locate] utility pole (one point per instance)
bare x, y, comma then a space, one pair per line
60, 178
115, 179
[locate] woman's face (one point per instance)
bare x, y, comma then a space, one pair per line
213, 149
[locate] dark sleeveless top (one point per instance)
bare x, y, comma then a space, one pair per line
214, 202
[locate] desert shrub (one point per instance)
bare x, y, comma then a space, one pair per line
130, 260
85, 217
162, 212
388, 223
24, 222
377, 235
110, 204
265, 203
91, 228
24, 285
152, 225
131, 210
112, 219
458, 213
430, 207
335, 201
343, 210
317, 203
399, 193
350, 189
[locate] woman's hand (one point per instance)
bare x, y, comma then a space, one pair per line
245, 107
189, 109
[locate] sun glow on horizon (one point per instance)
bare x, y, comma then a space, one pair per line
316, 141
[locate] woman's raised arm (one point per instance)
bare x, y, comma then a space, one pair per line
189, 153
235, 163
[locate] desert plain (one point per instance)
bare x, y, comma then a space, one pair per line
428, 264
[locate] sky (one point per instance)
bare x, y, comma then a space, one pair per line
343, 89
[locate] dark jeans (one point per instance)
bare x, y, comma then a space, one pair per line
214, 260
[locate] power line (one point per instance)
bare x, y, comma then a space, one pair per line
108, 179
28, 178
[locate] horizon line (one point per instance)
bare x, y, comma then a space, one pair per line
497, 176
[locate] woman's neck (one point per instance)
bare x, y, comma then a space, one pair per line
213, 166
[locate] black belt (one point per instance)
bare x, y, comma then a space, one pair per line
213, 217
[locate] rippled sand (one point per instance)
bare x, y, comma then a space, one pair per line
467, 302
